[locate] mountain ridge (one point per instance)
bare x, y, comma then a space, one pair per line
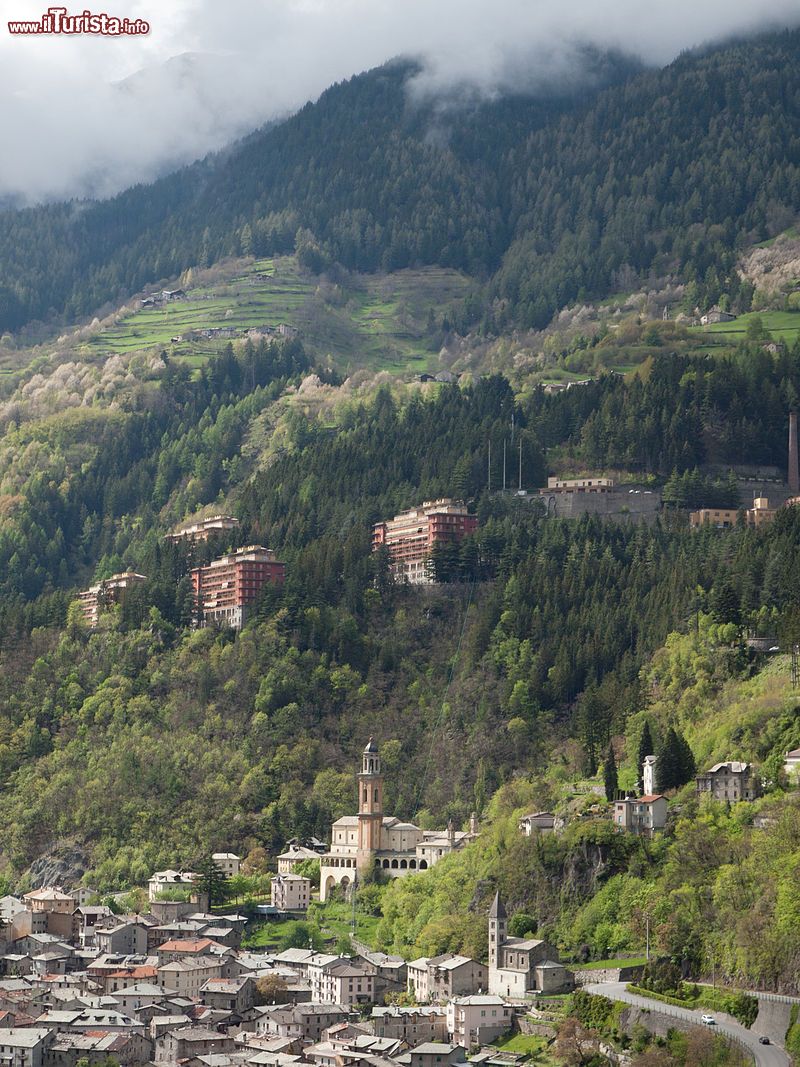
510, 198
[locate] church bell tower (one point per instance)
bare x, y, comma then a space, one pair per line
498, 931
370, 806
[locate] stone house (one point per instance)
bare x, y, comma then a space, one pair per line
306, 1021
434, 1054
389, 972
125, 938
185, 977
163, 881
97, 1047
538, 821
190, 1042
188, 948
133, 998
445, 976
294, 854
412, 1025
730, 781
227, 862
235, 995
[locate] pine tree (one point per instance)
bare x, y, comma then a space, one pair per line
610, 774
645, 749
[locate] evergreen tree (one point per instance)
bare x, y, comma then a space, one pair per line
211, 880
688, 764
610, 774
675, 766
645, 749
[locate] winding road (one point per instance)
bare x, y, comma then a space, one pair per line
765, 1055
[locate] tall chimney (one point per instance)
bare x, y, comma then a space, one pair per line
794, 475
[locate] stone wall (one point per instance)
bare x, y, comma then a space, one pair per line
609, 974
629, 503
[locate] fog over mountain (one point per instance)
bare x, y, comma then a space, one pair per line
90, 116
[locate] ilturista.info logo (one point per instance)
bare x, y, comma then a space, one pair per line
57, 20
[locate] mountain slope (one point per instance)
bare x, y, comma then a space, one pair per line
666, 170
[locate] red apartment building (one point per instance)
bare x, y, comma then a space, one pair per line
411, 535
227, 588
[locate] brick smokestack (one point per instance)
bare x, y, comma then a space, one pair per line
794, 475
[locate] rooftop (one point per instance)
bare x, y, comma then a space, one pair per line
24, 1036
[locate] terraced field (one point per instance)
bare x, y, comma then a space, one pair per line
378, 322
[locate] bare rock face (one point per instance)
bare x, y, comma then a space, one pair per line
64, 864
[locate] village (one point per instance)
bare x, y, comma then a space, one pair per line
177, 983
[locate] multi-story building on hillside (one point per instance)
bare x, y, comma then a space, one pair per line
412, 535
105, 594
203, 529
226, 589
641, 815
731, 781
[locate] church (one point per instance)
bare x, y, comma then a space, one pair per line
371, 840
520, 965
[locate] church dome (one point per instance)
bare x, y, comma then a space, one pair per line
371, 748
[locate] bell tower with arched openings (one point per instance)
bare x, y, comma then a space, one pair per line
370, 805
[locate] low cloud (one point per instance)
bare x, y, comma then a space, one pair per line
90, 116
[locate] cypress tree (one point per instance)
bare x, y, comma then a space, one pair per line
610, 774
675, 764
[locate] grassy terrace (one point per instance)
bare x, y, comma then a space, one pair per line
782, 326
535, 1046
333, 920
376, 321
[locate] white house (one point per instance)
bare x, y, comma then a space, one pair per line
24, 1046
227, 862
163, 881
478, 1019
290, 892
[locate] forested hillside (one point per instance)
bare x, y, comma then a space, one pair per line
543, 201
550, 655
538, 633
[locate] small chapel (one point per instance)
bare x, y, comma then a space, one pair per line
520, 965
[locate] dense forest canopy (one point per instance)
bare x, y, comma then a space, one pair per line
545, 200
